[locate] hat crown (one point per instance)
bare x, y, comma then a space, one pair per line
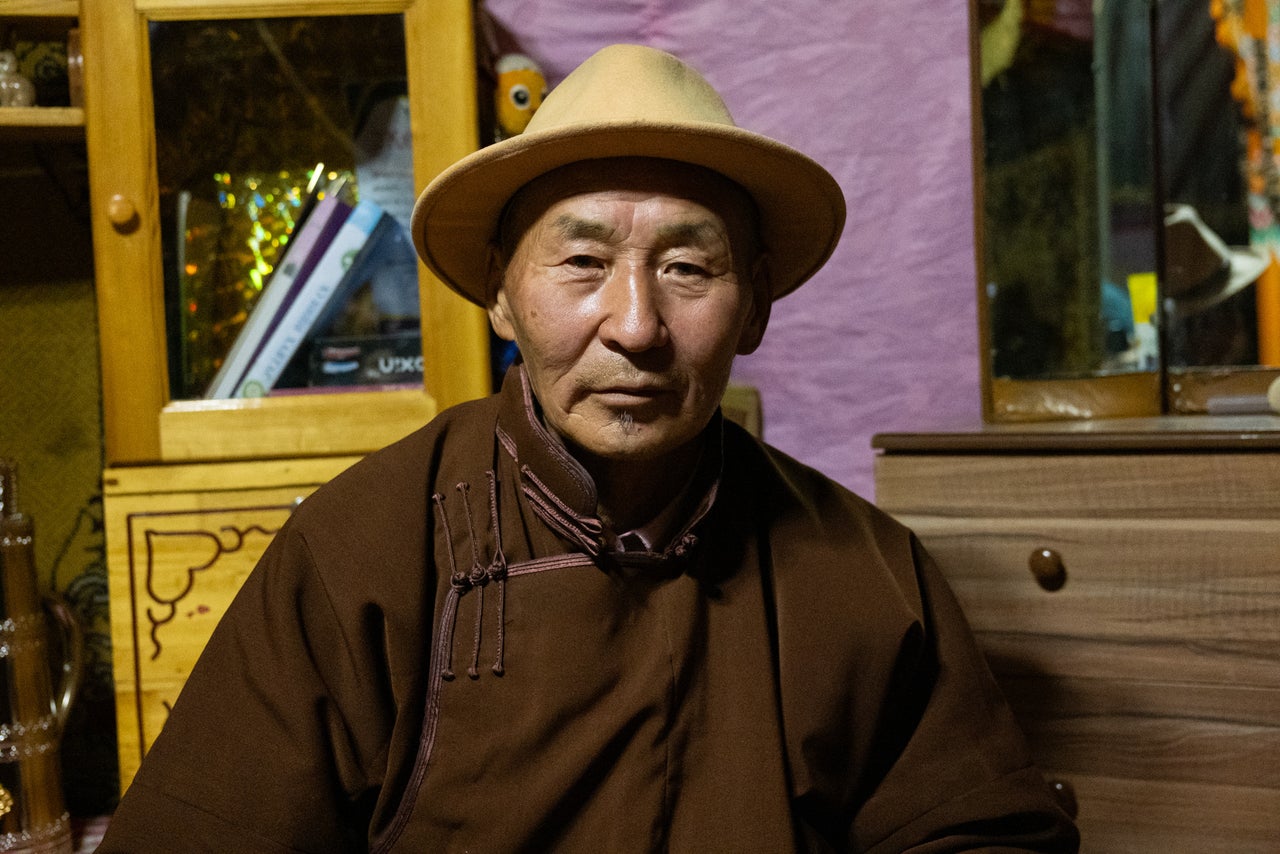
630, 101
630, 84
1193, 254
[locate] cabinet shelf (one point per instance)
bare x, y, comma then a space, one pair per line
39, 8
302, 425
42, 123
40, 20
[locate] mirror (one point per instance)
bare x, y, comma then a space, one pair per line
1125, 205
1068, 188
1220, 195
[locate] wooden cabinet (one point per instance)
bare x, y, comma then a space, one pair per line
1123, 579
181, 540
195, 487
145, 422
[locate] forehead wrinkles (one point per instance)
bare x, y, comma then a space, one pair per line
702, 232
646, 176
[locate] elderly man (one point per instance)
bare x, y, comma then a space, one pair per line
588, 614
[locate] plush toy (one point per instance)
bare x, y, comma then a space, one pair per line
15, 90
520, 89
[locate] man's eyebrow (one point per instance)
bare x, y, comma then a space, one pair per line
570, 227
700, 232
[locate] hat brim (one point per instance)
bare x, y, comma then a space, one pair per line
1246, 266
801, 206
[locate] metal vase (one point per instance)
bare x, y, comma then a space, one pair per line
33, 815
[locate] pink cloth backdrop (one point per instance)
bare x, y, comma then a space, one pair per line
885, 336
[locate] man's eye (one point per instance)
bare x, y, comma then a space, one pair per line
684, 268
583, 262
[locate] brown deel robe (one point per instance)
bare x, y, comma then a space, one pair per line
436, 653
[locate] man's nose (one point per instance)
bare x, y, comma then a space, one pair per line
633, 318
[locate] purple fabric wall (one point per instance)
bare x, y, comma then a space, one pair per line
885, 336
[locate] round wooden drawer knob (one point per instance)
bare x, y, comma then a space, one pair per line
1047, 567
121, 212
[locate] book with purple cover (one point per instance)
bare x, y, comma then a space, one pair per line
301, 257
322, 286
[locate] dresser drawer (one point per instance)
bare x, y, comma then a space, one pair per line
181, 539
1210, 585
1119, 485
1149, 680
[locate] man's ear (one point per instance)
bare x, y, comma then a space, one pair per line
761, 305
496, 297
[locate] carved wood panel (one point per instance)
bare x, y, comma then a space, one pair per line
180, 542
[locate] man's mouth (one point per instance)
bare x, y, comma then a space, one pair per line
632, 392
624, 394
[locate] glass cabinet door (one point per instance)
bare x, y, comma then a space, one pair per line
252, 180
257, 123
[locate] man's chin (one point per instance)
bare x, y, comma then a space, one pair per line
634, 442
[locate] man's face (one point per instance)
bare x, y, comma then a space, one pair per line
630, 289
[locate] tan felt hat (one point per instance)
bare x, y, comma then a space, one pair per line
630, 101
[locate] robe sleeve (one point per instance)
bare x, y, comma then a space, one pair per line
962, 778
264, 751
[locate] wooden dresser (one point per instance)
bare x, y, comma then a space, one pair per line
1123, 578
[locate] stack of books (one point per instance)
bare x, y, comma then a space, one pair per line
332, 254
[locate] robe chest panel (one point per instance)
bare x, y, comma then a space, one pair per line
1129, 603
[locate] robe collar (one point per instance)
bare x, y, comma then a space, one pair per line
563, 494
